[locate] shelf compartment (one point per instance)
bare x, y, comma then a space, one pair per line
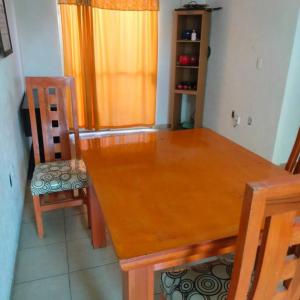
189, 48
184, 75
188, 22
186, 92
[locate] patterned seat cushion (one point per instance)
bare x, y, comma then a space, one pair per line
58, 176
207, 281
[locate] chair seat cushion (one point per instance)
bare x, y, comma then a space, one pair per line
58, 176
206, 281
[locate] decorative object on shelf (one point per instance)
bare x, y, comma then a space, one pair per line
194, 35
184, 60
192, 5
187, 60
187, 85
194, 60
187, 34
5, 40
190, 35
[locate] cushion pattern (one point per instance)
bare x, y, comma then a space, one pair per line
58, 176
206, 281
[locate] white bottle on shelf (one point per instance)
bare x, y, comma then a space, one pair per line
194, 35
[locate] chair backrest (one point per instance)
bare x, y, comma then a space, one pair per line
293, 164
50, 94
271, 205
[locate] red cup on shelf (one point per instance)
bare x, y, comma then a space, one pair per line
184, 60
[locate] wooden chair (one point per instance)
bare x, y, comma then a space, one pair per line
293, 164
58, 180
262, 263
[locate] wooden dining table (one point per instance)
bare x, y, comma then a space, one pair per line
167, 198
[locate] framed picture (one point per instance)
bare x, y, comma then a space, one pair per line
5, 40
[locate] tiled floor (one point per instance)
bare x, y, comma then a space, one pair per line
64, 265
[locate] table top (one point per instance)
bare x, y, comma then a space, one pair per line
169, 189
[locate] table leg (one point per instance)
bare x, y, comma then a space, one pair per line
96, 219
138, 284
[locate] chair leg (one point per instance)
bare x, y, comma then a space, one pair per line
38, 216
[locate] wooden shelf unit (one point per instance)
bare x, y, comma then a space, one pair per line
189, 20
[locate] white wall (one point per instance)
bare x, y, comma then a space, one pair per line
242, 32
13, 159
39, 37
290, 115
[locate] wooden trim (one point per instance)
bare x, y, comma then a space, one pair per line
173, 98
180, 256
67, 203
202, 73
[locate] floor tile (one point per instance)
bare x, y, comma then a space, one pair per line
41, 262
77, 227
28, 195
73, 211
54, 232
81, 255
28, 213
102, 283
45, 289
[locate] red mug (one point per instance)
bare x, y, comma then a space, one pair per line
184, 60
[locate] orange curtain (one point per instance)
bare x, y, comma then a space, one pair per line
113, 56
